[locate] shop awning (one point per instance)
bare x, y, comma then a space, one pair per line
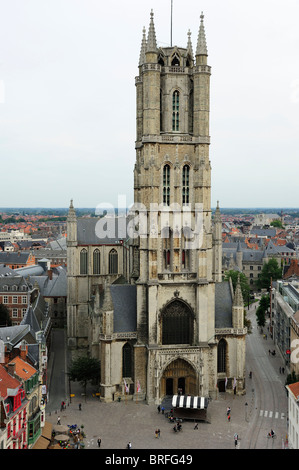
187, 401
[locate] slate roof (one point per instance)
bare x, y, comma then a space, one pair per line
14, 257
15, 280
263, 232
125, 307
223, 305
89, 233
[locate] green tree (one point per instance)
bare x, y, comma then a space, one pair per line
292, 378
243, 282
263, 307
4, 316
276, 223
271, 270
85, 369
260, 316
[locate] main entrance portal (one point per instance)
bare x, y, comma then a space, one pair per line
179, 377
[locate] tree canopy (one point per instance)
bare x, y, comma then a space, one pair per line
243, 282
85, 369
270, 270
4, 316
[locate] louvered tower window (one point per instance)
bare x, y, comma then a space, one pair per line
185, 184
175, 111
166, 185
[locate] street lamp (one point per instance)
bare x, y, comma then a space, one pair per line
246, 404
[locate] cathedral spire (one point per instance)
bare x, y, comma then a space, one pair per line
151, 38
201, 41
143, 48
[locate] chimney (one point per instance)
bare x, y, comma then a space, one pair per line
50, 274
11, 368
23, 350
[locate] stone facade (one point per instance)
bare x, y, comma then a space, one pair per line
164, 321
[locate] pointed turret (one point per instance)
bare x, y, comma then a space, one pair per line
143, 48
217, 245
151, 38
201, 41
189, 45
238, 307
238, 297
72, 213
71, 224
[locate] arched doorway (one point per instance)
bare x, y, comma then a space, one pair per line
179, 377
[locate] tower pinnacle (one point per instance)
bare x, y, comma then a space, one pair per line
151, 38
201, 41
143, 48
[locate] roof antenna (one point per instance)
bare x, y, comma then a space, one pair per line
171, 25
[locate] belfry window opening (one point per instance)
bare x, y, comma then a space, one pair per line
185, 185
166, 185
176, 111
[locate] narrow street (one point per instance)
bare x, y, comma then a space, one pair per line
266, 394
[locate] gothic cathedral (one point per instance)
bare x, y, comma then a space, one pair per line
152, 307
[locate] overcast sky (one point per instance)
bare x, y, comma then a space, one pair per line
67, 92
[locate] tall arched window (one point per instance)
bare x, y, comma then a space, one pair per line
221, 356
96, 262
175, 111
113, 262
83, 261
127, 359
166, 185
185, 184
177, 324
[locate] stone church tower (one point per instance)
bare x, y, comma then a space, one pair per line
170, 324
178, 265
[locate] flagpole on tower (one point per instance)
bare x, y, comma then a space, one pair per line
171, 23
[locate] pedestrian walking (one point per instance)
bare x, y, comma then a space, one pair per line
99, 442
196, 426
228, 410
228, 418
80, 406
156, 433
58, 420
282, 370
159, 408
162, 409
236, 439
129, 445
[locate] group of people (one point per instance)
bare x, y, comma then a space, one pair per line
177, 427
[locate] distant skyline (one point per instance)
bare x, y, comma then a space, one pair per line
68, 104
